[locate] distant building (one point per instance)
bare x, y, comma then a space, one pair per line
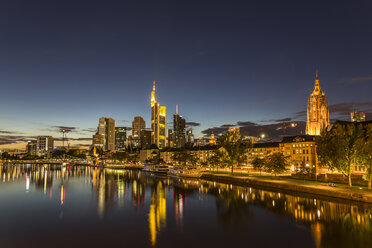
158, 122
45, 144
234, 129
201, 142
106, 127
138, 124
179, 126
98, 140
170, 138
212, 141
145, 139
190, 136
357, 116
120, 138
31, 147
317, 111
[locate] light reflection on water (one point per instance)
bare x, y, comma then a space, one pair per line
144, 211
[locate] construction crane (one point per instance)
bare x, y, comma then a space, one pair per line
64, 132
284, 127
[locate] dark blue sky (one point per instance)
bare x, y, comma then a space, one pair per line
67, 63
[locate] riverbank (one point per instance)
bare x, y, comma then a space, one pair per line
307, 187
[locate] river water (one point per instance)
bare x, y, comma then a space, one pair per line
54, 206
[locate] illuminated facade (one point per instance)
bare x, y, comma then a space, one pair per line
317, 111
120, 138
301, 152
138, 125
31, 147
179, 125
98, 140
212, 141
45, 144
106, 127
158, 122
357, 116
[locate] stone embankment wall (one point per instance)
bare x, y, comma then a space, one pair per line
334, 178
288, 186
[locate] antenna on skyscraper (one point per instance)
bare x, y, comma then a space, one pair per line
177, 109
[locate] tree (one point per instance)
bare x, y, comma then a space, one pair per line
119, 155
132, 157
276, 163
182, 157
364, 153
5, 156
258, 164
235, 146
155, 160
214, 160
338, 147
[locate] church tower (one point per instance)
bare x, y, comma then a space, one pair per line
317, 110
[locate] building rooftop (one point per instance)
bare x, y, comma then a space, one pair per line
298, 138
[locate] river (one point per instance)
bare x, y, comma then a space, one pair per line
77, 206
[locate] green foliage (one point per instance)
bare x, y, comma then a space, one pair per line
234, 148
276, 163
183, 157
132, 157
364, 153
155, 160
338, 147
5, 156
258, 163
119, 155
214, 160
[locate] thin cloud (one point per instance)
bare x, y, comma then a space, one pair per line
272, 130
192, 124
356, 80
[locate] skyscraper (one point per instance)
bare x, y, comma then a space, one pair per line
317, 111
138, 125
98, 140
145, 139
31, 147
158, 121
106, 127
120, 138
179, 125
44, 144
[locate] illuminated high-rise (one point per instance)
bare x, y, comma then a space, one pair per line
45, 144
106, 127
179, 125
138, 125
120, 138
317, 111
158, 121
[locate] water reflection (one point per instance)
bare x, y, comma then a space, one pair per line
331, 223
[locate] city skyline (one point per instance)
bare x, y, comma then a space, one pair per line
247, 72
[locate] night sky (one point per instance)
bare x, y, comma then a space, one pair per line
247, 63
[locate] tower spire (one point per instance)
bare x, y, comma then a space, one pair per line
153, 85
177, 109
317, 89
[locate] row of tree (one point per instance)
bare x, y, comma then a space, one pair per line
275, 163
345, 146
